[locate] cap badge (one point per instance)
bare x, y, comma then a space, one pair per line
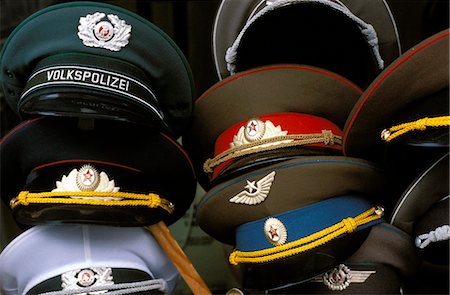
340, 278
275, 231
95, 31
255, 192
87, 178
337, 279
88, 277
255, 130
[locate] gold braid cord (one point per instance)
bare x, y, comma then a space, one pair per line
421, 124
272, 143
304, 244
92, 198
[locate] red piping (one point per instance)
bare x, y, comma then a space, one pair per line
236, 76
86, 161
18, 127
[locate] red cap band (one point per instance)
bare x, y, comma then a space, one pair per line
272, 125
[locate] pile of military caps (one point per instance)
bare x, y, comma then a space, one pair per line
103, 95
323, 150
319, 148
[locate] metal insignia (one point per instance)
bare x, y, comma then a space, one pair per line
385, 134
234, 291
95, 31
275, 231
255, 191
87, 178
88, 277
254, 130
340, 278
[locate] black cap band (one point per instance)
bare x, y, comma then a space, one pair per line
118, 275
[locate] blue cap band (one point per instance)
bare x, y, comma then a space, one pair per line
303, 222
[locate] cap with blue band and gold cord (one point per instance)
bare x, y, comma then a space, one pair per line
383, 262
311, 239
320, 222
284, 186
99, 61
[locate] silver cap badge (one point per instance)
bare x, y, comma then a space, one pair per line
340, 278
88, 277
255, 193
111, 34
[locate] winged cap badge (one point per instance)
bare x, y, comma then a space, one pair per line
95, 31
255, 192
340, 278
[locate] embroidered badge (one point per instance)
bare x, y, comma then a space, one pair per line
275, 231
88, 277
340, 278
86, 178
95, 31
255, 192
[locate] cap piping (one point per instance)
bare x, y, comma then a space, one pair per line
277, 67
85, 161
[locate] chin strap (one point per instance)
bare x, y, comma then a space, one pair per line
441, 233
92, 198
421, 125
304, 244
116, 289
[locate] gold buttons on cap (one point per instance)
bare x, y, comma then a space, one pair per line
379, 211
385, 134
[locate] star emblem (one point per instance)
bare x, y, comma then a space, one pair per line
88, 176
251, 186
275, 231
254, 129
255, 192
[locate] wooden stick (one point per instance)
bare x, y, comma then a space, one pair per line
190, 275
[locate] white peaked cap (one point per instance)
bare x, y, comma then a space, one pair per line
45, 252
